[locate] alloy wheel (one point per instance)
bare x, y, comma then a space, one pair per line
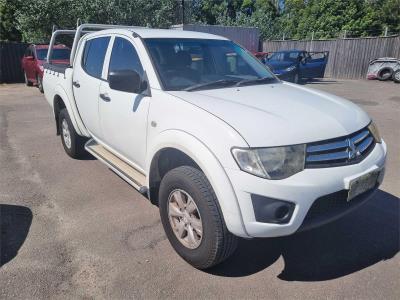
184, 218
66, 133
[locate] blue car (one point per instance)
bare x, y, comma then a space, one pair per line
297, 65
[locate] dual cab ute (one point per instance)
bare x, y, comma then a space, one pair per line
204, 130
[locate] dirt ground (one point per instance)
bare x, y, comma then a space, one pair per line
72, 229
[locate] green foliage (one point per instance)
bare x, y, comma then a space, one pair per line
33, 20
8, 25
301, 18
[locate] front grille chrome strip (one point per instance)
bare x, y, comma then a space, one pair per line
359, 137
341, 151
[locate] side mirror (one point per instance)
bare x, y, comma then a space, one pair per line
127, 81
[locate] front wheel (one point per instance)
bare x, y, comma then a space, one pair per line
192, 218
73, 143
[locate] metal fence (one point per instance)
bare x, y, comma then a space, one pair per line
10, 61
348, 58
248, 37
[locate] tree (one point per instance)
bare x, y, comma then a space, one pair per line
8, 24
36, 18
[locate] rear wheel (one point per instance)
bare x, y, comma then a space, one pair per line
39, 81
27, 82
73, 143
192, 219
385, 74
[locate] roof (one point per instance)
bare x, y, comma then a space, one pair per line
161, 33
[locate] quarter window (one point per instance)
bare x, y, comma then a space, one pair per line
93, 56
124, 57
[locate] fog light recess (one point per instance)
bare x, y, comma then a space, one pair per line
269, 210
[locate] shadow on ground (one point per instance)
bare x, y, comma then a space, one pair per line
15, 222
362, 238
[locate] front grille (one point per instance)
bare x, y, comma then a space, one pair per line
341, 151
330, 207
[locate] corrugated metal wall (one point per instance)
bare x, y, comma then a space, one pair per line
348, 58
248, 37
10, 61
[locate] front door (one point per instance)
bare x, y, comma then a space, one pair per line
86, 81
124, 114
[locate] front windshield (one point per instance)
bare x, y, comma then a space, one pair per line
284, 56
184, 63
57, 54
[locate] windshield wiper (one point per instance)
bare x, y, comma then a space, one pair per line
218, 83
256, 81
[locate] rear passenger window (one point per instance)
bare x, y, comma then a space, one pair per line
124, 57
93, 55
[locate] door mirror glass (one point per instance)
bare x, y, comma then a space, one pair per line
126, 81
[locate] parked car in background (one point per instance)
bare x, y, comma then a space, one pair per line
384, 68
261, 56
34, 58
297, 65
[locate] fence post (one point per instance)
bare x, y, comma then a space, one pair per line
345, 34
386, 31
283, 37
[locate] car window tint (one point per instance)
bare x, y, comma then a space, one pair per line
93, 56
124, 57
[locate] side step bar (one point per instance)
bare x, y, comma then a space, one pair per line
127, 172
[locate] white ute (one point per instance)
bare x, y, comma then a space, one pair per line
207, 133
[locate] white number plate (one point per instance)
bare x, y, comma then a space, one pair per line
362, 184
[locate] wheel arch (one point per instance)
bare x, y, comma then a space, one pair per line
185, 148
60, 101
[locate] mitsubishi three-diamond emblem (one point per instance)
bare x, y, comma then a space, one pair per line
352, 150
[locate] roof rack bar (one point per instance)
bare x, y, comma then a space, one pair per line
53, 40
83, 27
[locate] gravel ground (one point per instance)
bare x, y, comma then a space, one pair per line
72, 229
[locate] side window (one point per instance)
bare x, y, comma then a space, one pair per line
93, 55
124, 57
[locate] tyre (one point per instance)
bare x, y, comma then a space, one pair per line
396, 76
27, 82
73, 143
39, 81
192, 218
385, 74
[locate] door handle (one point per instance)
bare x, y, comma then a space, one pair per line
76, 84
105, 97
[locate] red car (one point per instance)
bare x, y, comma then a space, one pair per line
35, 56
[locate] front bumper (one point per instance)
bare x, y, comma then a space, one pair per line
302, 189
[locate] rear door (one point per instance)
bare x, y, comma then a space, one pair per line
88, 72
124, 114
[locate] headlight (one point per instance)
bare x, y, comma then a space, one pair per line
41, 68
271, 163
291, 68
375, 132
